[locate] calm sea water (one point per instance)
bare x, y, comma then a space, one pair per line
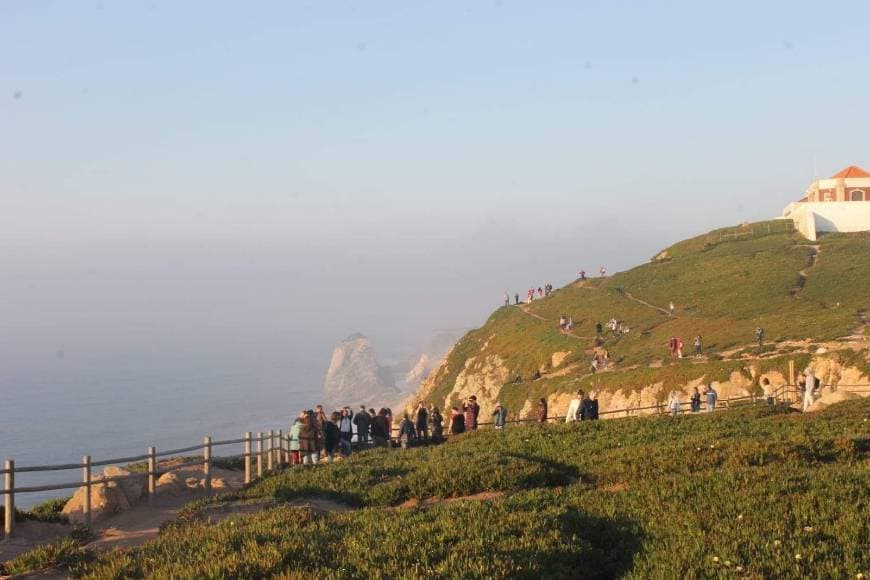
62, 410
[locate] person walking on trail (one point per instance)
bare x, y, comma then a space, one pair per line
602, 271
406, 432
309, 439
573, 413
679, 347
499, 416
388, 415
380, 434
363, 421
457, 422
540, 292
696, 400
542, 410
699, 346
421, 423
711, 395
671, 308
437, 424
582, 274
507, 299
293, 439
593, 407
759, 335
562, 322
811, 383
672, 344
586, 408
517, 298
598, 329
674, 403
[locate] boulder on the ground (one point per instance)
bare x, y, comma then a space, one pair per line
133, 484
170, 484
106, 498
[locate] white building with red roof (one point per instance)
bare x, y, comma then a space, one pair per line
840, 203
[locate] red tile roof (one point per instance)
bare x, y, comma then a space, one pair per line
851, 171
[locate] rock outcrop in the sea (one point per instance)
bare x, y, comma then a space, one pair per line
356, 378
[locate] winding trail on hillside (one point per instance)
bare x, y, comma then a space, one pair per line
660, 310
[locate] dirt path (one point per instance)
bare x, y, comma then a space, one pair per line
628, 295
803, 274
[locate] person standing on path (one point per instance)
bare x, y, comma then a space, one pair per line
309, 439
768, 390
711, 396
696, 400
811, 383
380, 434
437, 424
507, 299
671, 308
331, 436
457, 422
517, 298
542, 410
406, 432
674, 403
699, 346
363, 421
759, 335
422, 423
602, 271
573, 413
499, 416
679, 347
293, 439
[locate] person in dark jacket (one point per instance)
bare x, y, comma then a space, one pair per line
696, 400
437, 424
309, 439
457, 422
331, 436
362, 420
472, 411
542, 410
379, 428
586, 408
594, 407
421, 423
407, 434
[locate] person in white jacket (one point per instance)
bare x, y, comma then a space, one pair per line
574, 407
810, 387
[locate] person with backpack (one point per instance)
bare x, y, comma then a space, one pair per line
363, 422
499, 415
586, 408
407, 434
421, 423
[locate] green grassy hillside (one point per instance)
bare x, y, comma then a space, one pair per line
756, 492
723, 284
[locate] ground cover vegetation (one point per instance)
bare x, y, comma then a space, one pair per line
755, 492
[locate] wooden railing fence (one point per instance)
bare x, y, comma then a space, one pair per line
271, 452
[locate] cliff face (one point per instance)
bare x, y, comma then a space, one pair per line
356, 378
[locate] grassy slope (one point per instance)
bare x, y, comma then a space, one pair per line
722, 290
645, 498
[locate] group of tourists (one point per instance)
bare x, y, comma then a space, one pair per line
602, 271
582, 407
540, 291
710, 396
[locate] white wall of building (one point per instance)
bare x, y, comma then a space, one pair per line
812, 217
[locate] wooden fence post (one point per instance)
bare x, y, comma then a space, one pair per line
247, 457
152, 473
259, 454
791, 376
280, 448
86, 480
269, 451
206, 464
9, 501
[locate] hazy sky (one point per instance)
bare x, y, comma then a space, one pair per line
242, 177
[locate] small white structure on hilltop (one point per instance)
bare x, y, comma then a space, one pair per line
838, 204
